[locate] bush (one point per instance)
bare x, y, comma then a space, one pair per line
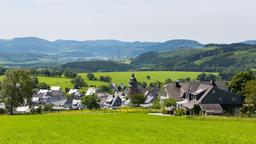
196, 110
169, 102
179, 112
137, 99
247, 110
48, 108
2, 111
156, 104
38, 110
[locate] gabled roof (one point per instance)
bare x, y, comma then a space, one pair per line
178, 92
219, 84
55, 88
211, 108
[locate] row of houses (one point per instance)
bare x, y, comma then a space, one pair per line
212, 97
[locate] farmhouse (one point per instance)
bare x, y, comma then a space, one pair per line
212, 97
112, 101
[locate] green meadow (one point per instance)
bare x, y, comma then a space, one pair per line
127, 128
121, 77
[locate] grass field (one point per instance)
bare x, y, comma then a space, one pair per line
115, 128
120, 77
123, 77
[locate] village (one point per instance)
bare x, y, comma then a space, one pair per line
190, 98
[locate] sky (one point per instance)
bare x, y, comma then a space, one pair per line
207, 21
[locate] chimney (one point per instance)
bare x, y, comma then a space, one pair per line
213, 83
178, 84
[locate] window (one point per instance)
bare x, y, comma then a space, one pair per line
220, 100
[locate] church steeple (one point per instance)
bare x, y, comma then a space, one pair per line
133, 85
133, 81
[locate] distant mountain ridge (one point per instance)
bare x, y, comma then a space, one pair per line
71, 50
249, 42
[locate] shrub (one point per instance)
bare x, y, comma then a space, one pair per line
196, 110
2, 111
169, 102
48, 107
247, 110
156, 104
179, 112
137, 99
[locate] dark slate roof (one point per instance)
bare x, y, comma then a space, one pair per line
219, 84
211, 108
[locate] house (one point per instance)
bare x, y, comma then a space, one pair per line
91, 91
56, 91
212, 97
77, 104
2, 106
21, 110
112, 101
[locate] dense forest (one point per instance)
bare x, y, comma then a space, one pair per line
211, 58
96, 65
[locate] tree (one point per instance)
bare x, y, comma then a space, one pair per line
167, 81
238, 82
105, 88
105, 79
250, 93
43, 86
78, 82
137, 99
69, 74
2, 71
91, 76
206, 77
17, 88
91, 102
35, 81
142, 84
201, 77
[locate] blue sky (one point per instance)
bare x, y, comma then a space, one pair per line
221, 21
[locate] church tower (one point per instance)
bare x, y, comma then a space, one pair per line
133, 85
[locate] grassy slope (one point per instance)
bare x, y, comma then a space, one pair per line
120, 77
77, 127
123, 77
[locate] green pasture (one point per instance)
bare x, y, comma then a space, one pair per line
123, 128
120, 77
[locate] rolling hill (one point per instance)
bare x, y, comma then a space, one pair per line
63, 51
213, 57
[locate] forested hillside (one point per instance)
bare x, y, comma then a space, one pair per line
211, 58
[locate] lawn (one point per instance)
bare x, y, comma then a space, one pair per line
114, 128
